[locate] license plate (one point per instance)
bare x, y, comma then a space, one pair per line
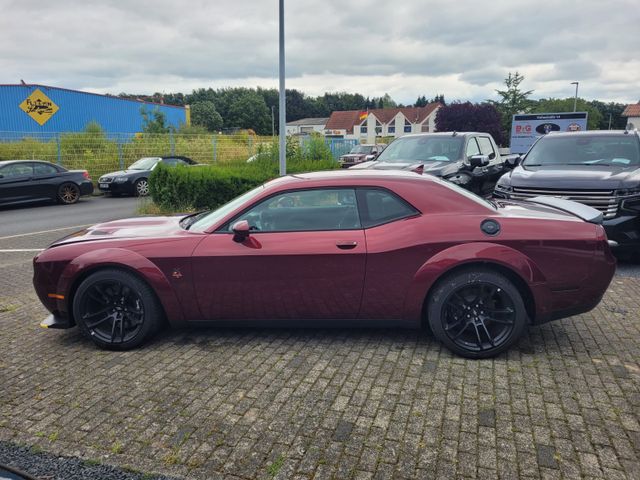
104, 185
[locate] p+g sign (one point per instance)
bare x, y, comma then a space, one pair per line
525, 129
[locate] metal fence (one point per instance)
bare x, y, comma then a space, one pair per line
100, 153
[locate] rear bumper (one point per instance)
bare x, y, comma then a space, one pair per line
86, 187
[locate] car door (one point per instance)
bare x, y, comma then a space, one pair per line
494, 170
45, 180
304, 259
15, 182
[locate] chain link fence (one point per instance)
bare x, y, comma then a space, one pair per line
100, 153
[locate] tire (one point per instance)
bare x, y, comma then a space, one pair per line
141, 187
476, 313
116, 309
68, 193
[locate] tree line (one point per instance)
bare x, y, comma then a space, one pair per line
225, 109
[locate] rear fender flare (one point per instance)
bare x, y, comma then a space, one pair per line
479, 252
127, 260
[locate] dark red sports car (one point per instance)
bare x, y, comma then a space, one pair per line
335, 246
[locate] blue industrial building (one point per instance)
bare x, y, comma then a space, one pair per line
43, 109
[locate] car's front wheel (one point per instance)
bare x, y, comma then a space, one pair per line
142, 187
116, 309
476, 313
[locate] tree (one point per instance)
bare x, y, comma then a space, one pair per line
512, 101
613, 111
470, 117
557, 105
421, 102
205, 114
154, 121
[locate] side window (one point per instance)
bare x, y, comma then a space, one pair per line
472, 147
44, 169
486, 148
379, 206
305, 210
17, 170
172, 162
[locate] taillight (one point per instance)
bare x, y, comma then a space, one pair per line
85, 174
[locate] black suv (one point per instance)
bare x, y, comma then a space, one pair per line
135, 179
598, 168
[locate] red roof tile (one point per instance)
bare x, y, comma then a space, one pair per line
632, 110
345, 120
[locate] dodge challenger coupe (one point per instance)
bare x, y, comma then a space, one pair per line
336, 247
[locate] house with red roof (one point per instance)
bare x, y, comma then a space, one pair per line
366, 126
632, 112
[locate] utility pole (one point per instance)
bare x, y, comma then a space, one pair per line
282, 100
273, 121
575, 100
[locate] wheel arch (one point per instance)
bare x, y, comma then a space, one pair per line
115, 258
516, 266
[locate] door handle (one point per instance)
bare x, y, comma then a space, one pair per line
346, 245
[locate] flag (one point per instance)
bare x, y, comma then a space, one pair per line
363, 115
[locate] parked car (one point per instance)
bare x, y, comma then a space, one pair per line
468, 159
135, 179
597, 168
335, 246
23, 181
361, 153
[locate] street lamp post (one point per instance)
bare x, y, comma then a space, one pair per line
575, 100
282, 103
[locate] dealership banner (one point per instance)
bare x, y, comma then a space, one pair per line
525, 129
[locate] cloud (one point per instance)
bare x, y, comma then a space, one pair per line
462, 49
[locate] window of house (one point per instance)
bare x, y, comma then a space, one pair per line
407, 126
391, 128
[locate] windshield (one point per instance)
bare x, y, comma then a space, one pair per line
213, 217
591, 150
146, 163
361, 149
423, 149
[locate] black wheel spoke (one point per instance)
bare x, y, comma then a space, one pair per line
461, 331
489, 337
88, 316
496, 320
113, 330
475, 327
97, 322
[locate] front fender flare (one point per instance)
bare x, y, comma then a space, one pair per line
467, 253
121, 258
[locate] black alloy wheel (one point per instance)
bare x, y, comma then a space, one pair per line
477, 314
116, 309
68, 193
142, 187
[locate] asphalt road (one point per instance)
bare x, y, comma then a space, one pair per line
52, 217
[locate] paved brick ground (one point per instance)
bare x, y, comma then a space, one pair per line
344, 404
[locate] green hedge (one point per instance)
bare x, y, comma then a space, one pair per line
207, 187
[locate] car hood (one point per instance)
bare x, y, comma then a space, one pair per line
121, 173
142, 227
568, 176
439, 169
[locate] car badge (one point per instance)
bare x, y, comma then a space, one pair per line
177, 274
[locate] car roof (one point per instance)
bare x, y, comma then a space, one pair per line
443, 134
342, 176
7, 162
593, 133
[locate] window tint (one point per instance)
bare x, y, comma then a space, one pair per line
611, 150
472, 148
17, 170
44, 169
381, 206
305, 210
486, 148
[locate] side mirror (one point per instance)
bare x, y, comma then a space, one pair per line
513, 161
241, 231
479, 160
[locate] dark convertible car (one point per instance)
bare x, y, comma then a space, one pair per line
335, 247
597, 168
23, 181
135, 179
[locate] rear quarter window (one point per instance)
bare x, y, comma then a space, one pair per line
378, 206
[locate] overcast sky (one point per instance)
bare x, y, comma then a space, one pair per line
460, 48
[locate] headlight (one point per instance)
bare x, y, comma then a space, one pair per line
504, 188
120, 179
628, 192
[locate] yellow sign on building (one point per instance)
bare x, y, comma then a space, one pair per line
39, 107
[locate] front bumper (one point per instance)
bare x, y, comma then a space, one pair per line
114, 187
55, 321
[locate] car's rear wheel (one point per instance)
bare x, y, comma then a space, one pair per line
116, 309
142, 187
68, 193
476, 313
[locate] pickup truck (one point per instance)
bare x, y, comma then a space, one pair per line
469, 159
